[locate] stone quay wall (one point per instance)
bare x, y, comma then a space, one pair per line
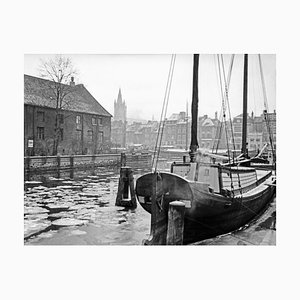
66, 162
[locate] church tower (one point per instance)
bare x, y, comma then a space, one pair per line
120, 108
118, 126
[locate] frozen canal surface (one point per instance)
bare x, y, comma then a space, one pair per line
81, 211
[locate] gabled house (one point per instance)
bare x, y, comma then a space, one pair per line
83, 124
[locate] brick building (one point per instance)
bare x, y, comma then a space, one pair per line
84, 125
257, 131
270, 119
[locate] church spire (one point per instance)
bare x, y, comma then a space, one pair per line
119, 96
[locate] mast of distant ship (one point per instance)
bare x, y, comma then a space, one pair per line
194, 142
245, 94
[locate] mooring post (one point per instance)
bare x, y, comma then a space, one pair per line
28, 163
72, 161
126, 185
93, 159
159, 214
175, 223
123, 159
72, 166
58, 165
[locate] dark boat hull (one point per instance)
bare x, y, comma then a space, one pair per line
209, 214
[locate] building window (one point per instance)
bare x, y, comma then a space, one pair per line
41, 116
100, 136
99, 121
94, 121
40, 133
90, 135
78, 119
78, 135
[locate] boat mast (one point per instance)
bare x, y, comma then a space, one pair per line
187, 126
194, 142
245, 94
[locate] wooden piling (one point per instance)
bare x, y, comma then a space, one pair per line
27, 164
93, 160
126, 185
58, 165
159, 214
72, 166
175, 223
123, 159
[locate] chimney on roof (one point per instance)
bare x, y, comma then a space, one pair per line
72, 82
216, 115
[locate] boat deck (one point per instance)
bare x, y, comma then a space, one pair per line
260, 187
261, 173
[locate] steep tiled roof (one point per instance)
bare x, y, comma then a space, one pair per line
38, 91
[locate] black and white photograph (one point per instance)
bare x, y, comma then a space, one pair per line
149, 149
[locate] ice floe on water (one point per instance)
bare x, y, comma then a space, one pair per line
62, 206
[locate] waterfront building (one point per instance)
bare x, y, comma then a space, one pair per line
271, 117
257, 131
237, 124
183, 136
211, 133
83, 124
138, 133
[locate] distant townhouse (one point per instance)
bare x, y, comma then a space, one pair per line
257, 131
84, 124
269, 127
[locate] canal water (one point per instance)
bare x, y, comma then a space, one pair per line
81, 210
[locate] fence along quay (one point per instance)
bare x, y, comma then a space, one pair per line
37, 164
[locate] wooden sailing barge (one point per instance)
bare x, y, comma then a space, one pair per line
218, 198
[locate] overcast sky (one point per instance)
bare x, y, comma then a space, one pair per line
143, 78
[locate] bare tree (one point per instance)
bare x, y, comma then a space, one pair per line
60, 72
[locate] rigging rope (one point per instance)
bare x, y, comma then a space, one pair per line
266, 116
224, 114
225, 95
163, 114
